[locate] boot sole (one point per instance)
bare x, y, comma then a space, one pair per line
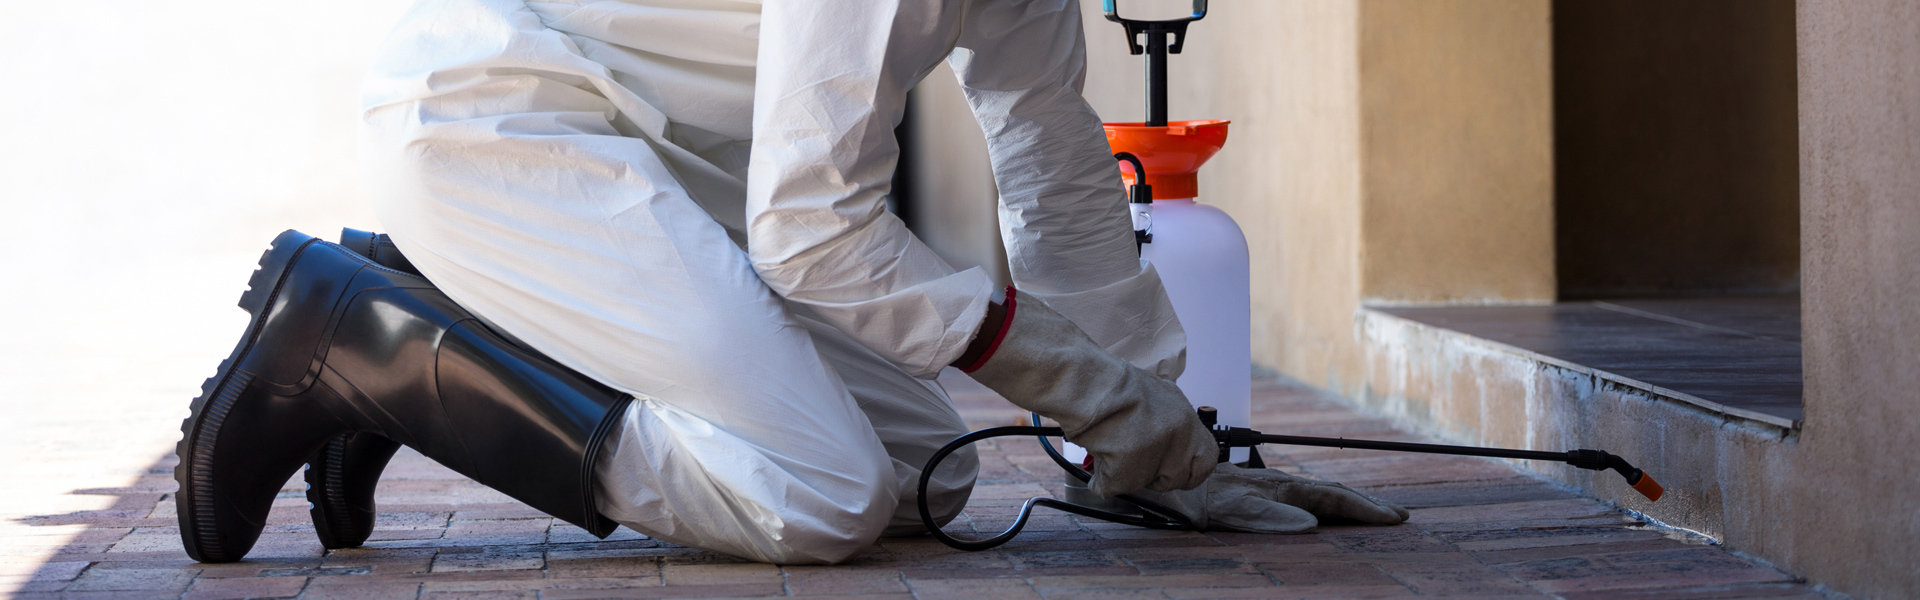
326, 485
198, 529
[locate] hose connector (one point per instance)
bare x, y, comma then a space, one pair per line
1227, 438
1139, 200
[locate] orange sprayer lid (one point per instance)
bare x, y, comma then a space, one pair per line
1172, 154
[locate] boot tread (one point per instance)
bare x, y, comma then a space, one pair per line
207, 413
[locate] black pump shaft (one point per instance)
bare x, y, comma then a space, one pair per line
1156, 77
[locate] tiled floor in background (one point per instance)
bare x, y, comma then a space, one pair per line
1479, 529
1740, 351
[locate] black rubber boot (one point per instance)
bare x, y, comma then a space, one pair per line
341, 478
379, 247
342, 475
338, 344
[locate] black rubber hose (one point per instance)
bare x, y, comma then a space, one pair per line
1175, 520
1228, 437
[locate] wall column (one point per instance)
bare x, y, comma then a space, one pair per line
1850, 513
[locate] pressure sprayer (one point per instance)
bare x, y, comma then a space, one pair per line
1198, 250
1202, 259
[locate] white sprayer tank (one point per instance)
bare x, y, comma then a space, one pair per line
1201, 255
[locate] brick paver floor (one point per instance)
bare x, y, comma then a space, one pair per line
1479, 529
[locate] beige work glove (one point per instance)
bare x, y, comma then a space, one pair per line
1139, 428
1268, 501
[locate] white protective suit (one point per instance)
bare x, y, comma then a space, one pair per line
584, 175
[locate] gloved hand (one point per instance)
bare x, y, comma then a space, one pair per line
1268, 501
1139, 428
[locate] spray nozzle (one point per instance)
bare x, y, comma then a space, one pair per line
1600, 460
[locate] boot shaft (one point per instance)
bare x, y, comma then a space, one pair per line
401, 359
338, 344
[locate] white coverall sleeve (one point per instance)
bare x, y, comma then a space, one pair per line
831, 85
1063, 214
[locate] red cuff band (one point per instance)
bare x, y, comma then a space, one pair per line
1005, 324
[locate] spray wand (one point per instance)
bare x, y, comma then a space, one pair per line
1592, 460
1157, 516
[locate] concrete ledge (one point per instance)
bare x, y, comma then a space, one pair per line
1473, 391
1732, 412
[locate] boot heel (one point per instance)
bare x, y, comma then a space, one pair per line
269, 271
341, 478
324, 486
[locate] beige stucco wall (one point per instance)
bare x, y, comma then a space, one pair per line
1456, 140
1856, 518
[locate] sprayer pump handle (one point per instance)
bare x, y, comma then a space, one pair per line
1111, 8
1174, 27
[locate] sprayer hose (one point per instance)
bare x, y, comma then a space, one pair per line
1235, 437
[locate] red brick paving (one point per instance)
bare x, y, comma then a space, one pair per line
1479, 529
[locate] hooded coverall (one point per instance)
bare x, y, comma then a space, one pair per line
684, 200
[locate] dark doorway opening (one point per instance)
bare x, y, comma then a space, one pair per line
1676, 148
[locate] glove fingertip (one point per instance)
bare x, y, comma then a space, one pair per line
1386, 513
1397, 513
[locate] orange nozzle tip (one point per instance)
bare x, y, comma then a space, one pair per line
1649, 488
